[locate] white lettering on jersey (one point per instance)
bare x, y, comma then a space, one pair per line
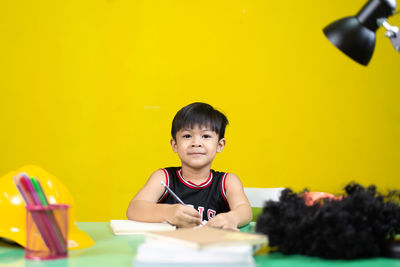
211, 214
201, 211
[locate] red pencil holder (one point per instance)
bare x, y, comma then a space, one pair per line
46, 232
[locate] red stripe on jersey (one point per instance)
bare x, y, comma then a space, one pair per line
165, 194
223, 188
192, 185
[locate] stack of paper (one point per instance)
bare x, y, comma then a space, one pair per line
203, 246
128, 227
162, 253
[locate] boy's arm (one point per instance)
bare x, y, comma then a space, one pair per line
240, 213
144, 207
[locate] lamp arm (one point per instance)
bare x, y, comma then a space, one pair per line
392, 32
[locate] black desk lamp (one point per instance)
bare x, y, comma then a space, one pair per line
355, 36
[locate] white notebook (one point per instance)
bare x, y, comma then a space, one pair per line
128, 227
170, 253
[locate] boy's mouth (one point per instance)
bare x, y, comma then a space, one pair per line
196, 154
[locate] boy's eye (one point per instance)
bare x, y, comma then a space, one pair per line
206, 136
186, 136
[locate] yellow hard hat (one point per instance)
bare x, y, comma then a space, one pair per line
13, 213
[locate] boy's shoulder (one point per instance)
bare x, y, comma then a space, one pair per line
219, 172
170, 169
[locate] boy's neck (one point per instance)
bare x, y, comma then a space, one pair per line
196, 176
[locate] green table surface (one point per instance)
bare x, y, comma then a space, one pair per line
119, 251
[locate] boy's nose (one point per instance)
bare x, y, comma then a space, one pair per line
196, 145
196, 142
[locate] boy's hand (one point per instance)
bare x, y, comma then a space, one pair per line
223, 221
183, 216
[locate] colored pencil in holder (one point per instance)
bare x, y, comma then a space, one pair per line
45, 222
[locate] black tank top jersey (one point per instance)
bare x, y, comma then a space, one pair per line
209, 198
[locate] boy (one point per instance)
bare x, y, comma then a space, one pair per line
197, 135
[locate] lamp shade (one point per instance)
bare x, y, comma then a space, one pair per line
352, 38
355, 36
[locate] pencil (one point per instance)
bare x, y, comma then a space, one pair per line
177, 198
172, 193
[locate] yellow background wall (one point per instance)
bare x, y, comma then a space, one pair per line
88, 90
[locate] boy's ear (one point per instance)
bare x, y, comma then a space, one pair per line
221, 145
173, 145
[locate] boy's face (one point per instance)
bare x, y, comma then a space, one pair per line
197, 147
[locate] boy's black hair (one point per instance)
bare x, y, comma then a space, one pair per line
200, 114
362, 224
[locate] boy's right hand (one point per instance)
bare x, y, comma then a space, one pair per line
183, 216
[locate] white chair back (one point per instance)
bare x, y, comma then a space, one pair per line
258, 196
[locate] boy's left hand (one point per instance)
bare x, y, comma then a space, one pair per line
223, 221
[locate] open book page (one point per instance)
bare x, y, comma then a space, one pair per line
128, 227
202, 237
